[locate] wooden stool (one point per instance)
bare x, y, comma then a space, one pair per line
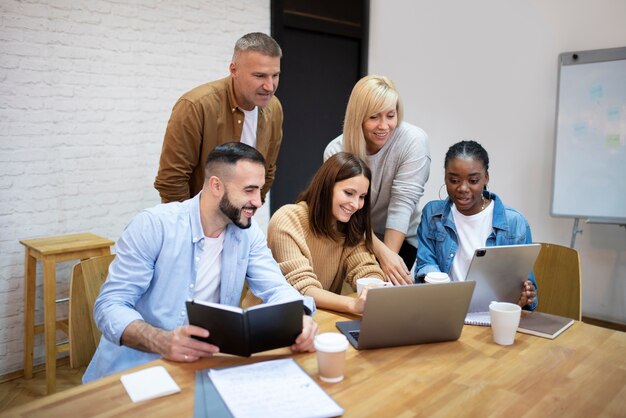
50, 251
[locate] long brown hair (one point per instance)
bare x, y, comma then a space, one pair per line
319, 198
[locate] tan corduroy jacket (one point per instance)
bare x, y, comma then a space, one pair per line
202, 119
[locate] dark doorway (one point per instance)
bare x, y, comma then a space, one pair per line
324, 45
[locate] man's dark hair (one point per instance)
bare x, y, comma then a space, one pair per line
229, 154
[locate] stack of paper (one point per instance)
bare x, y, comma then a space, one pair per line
277, 388
149, 384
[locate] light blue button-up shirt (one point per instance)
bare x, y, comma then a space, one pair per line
154, 274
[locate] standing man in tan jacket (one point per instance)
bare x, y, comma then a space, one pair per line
241, 107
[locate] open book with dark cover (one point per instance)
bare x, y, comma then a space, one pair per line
543, 324
243, 332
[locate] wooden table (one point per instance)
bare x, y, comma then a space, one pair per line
581, 373
51, 250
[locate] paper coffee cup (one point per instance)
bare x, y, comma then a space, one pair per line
504, 321
368, 281
331, 356
436, 277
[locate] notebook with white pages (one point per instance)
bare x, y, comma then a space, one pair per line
540, 324
478, 318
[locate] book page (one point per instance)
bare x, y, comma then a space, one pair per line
219, 306
277, 388
265, 305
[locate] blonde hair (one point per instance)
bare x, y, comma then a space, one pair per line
371, 94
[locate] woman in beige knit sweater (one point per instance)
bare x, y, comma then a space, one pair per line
325, 238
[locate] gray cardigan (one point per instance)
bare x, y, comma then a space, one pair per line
400, 171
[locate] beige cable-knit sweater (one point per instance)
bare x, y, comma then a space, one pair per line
309, 260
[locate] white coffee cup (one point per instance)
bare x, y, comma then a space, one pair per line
436, 277
370, 282
504, 321
331, 356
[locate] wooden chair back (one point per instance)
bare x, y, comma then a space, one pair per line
87, 278
557, 271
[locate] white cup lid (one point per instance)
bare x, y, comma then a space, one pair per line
437, 277
331, 342
369, 280
504, 307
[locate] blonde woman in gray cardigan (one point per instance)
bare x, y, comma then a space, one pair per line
399, 157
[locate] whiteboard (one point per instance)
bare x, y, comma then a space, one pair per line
590, 143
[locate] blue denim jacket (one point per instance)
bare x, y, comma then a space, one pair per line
154, 274
438, 241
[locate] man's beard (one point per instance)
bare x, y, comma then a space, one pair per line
233, 213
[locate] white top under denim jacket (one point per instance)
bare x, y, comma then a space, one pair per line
438, 239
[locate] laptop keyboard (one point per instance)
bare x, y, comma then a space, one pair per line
355, 334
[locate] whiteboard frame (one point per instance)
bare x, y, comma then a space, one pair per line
576, 58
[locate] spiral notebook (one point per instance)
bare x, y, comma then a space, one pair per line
478, 318
539, 324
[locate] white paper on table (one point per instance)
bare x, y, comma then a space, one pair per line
276, 388
149, 384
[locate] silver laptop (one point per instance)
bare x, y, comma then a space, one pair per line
412, 314
499, 273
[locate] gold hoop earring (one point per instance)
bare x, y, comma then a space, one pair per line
439, 194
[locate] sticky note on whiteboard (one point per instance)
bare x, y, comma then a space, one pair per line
612, 113
596, 91
580, 129
612, 141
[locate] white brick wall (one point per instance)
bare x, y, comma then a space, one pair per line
86, 89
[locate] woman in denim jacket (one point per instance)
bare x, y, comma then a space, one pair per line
471, 217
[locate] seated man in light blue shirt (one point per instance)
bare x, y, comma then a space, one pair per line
203, 248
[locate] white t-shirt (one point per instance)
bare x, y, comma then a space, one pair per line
472, 232
248, 134
209, 269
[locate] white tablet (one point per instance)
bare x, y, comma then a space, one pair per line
499, 273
